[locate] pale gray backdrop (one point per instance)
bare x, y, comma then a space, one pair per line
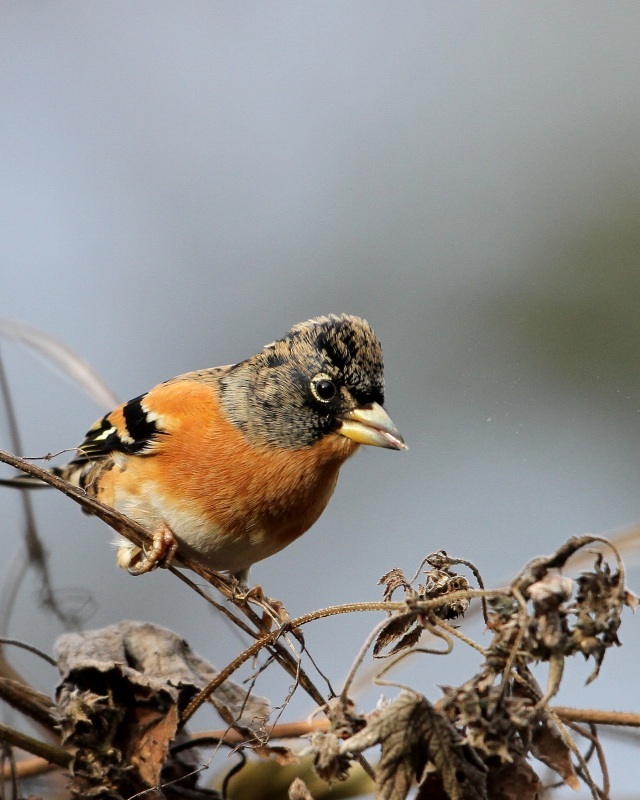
181, 182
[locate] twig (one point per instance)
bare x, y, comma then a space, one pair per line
30, 648
597, 716
606, 785
30, 767
36, 553
52, 754
33, 704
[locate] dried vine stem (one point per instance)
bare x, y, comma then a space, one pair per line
596, 716
30, 768
54, 755
348, 608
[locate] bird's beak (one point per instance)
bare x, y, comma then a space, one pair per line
372, 425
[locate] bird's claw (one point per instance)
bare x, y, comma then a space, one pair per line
273, 610
162, 552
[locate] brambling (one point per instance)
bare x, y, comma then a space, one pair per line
231, 464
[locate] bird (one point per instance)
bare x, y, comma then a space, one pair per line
228, 465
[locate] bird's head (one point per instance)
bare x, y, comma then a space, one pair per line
325, 377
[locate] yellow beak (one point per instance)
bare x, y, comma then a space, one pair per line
372, 425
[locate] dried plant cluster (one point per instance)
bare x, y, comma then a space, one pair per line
479, 740
120, 716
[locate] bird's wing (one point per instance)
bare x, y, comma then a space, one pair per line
130, 428
139, 426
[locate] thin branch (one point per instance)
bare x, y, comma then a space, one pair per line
30, 702
597, 716
36, 552
606, 784
36, 651
355, 666
52, 754
63, 357
30, 767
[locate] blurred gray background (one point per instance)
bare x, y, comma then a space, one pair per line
182, 182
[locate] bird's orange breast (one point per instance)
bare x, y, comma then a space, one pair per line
206, 476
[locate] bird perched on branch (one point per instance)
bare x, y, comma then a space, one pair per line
231, 464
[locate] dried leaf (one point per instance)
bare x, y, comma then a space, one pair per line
438, 584
329, 761
462, 778
120, 700
554, 678
298, 790
87, 719
411, 639
411, 732
550, 591
548, 746
152, 660
392, 580
395, 627
514, 781
490, 718
151, 744
344, 717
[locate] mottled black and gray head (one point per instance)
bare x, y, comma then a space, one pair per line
324, 376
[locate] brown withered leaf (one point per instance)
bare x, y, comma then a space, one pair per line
514, 781
392, 580
299, 791
122, 692
103, 776
440, 581
344, 717
149, 661
463, 777
550, 591
150, 744
630, 599
87, 719
411, 733
431, 788
396, 626
490, 719
410, 639
329, 761
548, 746
598, 606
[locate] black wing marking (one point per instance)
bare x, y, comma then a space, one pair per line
128, 429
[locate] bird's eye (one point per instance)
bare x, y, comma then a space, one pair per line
323, 388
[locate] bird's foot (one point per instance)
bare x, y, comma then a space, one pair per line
273, 611
162, 553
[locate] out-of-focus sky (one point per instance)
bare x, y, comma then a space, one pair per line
182, 182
